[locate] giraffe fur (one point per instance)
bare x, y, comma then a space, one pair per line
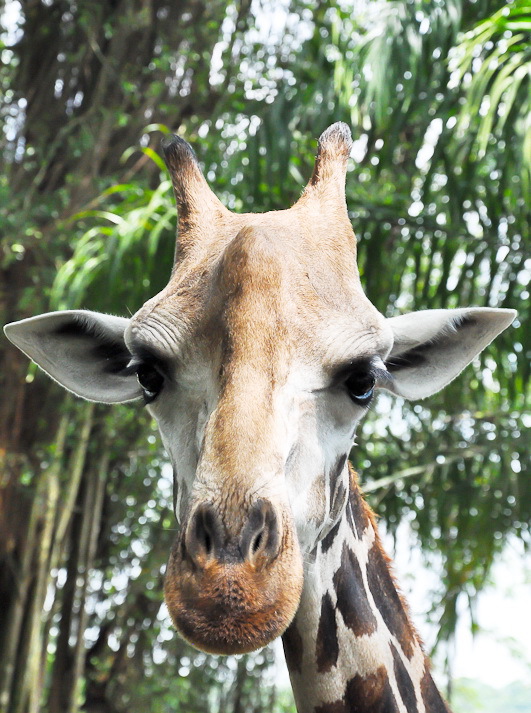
350, 586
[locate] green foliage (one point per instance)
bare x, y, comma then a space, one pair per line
469, 695
119, 262
494, 59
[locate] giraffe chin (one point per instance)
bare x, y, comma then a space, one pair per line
233, 608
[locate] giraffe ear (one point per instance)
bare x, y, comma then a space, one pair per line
433, 346
84, 351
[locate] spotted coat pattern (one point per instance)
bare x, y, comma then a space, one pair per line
352, 647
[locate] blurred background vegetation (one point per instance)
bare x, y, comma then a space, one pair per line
437, 94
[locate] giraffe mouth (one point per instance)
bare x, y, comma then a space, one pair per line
233, 608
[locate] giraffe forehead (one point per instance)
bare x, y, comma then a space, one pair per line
260, 294
278, 261
279, 303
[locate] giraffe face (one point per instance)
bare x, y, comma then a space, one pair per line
264, 375
257, 360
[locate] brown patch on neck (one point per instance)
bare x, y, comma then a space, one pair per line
327, 646
329, 539
433, 700
370, 694
293, 648
364, 694
352, 600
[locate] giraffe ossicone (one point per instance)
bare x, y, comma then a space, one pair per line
257, 361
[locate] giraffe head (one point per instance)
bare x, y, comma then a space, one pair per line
257, 361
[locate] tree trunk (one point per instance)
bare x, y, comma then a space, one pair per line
23, 617
92, 510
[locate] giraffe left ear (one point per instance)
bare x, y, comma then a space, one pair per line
83, 351
433, 346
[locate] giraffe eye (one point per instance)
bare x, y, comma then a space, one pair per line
150, 380
360, 387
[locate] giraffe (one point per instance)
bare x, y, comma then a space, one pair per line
257, 361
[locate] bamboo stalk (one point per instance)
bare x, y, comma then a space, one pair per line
60, 687
18, 643
89, 536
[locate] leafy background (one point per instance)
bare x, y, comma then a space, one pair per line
437, 94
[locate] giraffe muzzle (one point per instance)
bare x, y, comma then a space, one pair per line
233, 591
206, 539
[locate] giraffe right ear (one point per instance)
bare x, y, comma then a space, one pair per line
432, 347
83, 351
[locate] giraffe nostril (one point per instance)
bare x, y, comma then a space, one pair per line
204, 534
257, 542
207, 539
260, 533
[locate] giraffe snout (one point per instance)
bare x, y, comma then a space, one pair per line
234, 578
207, 540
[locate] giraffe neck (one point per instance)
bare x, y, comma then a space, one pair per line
351, 647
